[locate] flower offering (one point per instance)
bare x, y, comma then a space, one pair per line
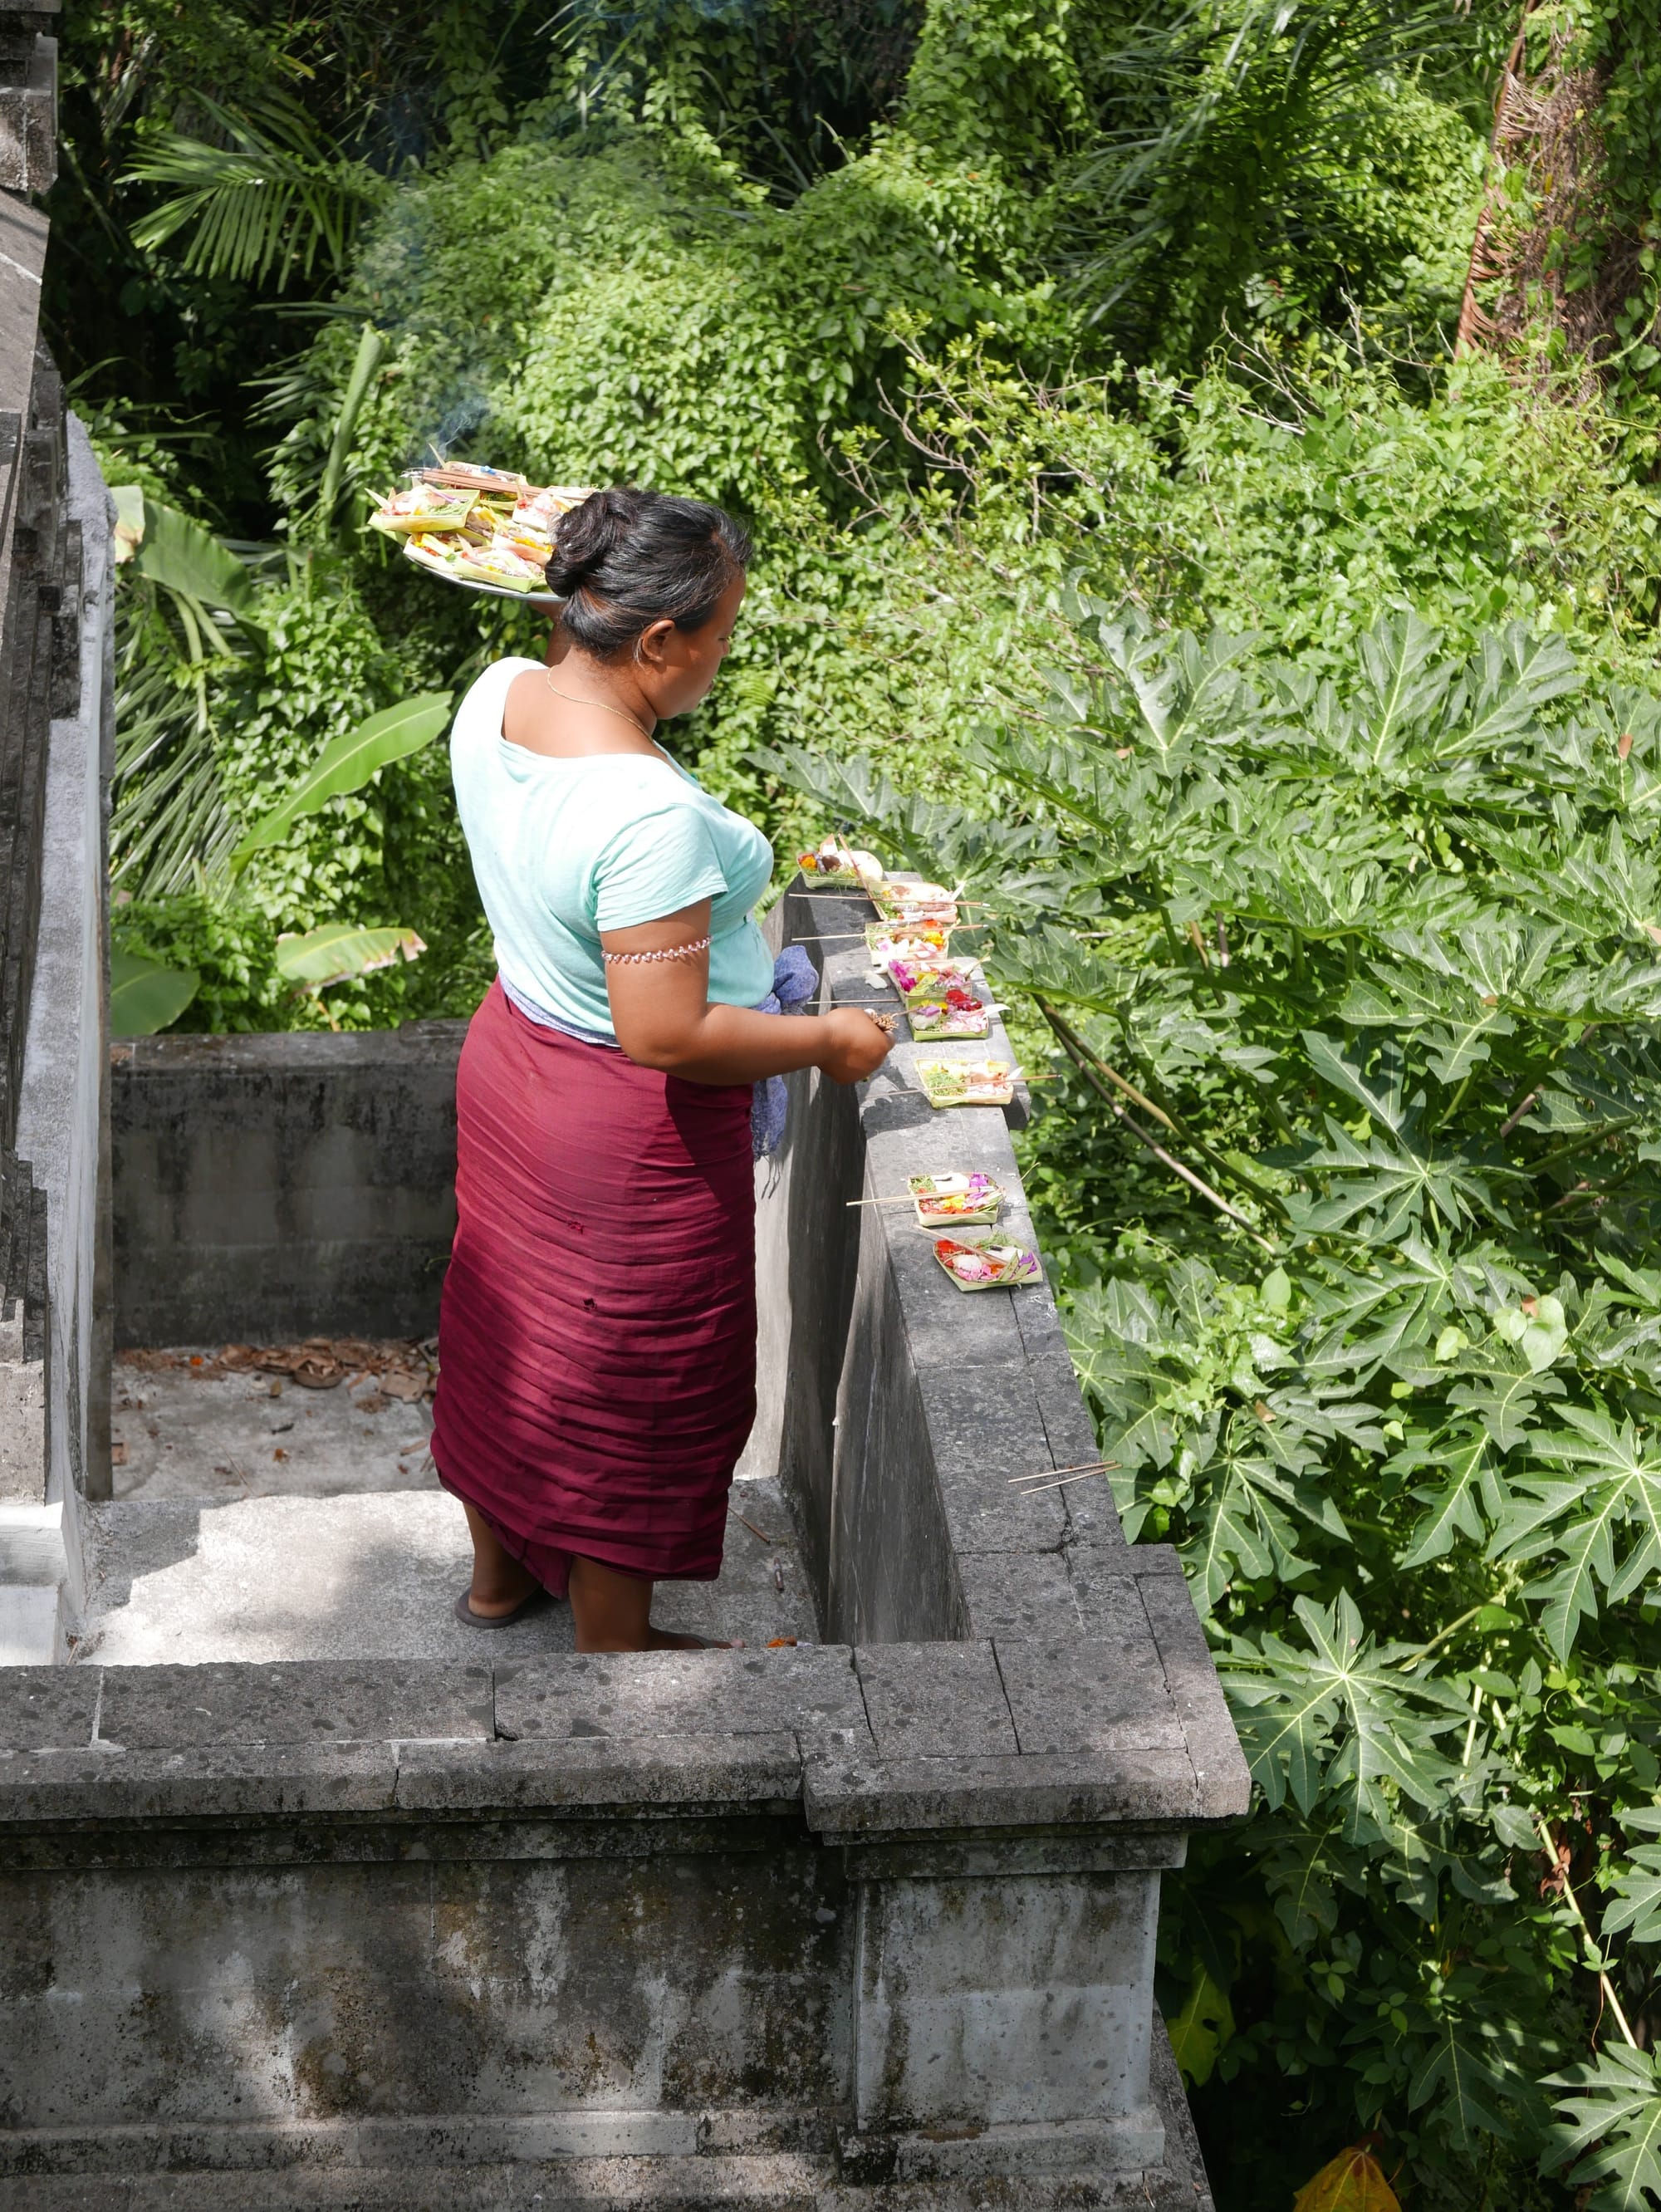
480, 527
955, 1013
953, 1200
834, 861
966, 1082
987, 1263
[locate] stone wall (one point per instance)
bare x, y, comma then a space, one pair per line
271, 1188
864, 1925
354, 1932
55, 744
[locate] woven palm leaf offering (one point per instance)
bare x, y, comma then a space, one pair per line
966, 1082
921, 941
955, 1012
987, 1263
834, 861
487, 529
955, 1200
908, 904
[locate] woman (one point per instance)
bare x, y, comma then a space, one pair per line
597, 1341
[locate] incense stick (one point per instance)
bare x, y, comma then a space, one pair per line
1064, 1479
1060, 1482
1078, 1467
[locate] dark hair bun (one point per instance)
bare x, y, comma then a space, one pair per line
627, 558
587, 536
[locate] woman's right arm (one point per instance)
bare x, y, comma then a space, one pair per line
662, 1013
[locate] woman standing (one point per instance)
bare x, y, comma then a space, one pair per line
596, 1340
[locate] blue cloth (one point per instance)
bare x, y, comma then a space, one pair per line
795, 979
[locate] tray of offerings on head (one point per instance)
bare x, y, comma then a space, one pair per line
486, 530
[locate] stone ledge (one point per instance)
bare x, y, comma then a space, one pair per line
225, 1782
651, 1694
935, 1700
47, 1708
289, 1055
867, 1796
296, 1702
679, 1769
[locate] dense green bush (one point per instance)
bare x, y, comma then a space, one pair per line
1373, 954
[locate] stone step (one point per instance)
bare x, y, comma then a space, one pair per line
181, 1581
29, 1624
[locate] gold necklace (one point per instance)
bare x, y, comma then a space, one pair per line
604, 705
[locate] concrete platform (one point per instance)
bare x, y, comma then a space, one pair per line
255, 1519
369, 1577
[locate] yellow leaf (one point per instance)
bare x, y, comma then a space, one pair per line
1352, 2182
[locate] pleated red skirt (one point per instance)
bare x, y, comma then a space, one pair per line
597, 1337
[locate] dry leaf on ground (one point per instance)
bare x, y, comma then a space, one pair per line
1352, 2182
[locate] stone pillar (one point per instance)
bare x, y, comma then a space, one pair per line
1001, 2020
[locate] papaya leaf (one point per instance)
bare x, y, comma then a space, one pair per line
1352, 2182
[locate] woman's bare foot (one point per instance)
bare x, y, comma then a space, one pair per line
613, 1612
501, 1584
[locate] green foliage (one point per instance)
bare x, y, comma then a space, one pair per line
1125, 544
232, 949
1377, 948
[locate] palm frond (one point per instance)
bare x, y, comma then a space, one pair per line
169, 824
1223, 101
264, 202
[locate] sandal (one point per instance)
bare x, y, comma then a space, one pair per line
465, 1613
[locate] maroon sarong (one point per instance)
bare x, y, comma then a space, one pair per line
597, 1338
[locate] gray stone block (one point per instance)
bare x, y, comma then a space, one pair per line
278, 1781
626, 1695
935, 1700
946, 1327
547, 1773
1019, 1594
1101, 1693
300, 1701
46, 1708
984, 1426
1225, 1780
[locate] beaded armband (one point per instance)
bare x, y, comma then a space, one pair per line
669, 952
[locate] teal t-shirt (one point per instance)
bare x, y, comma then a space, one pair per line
562, 849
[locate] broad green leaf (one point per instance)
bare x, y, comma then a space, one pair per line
1459, 2071
339, 952
180, 554
1200, 2030
1610, 2124
1637, 1902
348, 763
145, 996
